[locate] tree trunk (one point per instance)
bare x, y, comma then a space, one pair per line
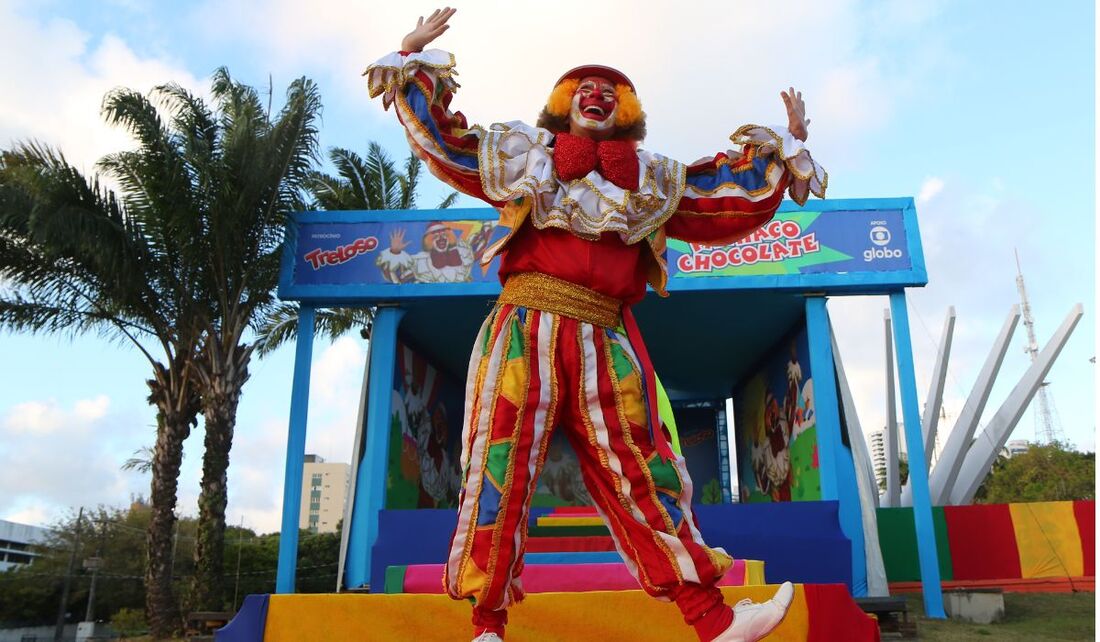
222, 380
177, 406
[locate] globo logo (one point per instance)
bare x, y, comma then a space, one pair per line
871, 254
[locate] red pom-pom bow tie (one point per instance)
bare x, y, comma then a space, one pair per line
615, 160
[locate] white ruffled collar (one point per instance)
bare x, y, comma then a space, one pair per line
516, 160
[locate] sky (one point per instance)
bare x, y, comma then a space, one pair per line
983, 111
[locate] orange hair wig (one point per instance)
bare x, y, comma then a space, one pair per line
628, 111
562, 97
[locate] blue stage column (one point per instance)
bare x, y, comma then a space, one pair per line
295, 453
918, 464
370, 494
836, 467
825, 396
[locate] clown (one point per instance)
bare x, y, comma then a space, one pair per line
445, 258
772, 457
586, 213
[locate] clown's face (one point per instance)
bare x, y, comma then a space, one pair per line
440, 240
592, 113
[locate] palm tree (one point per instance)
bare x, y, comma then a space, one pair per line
249, 171
78, 259
371, 183
185, 256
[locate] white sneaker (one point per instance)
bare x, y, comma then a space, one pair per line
753, 621
488, 636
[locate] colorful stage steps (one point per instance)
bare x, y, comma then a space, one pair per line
819, 613
569, 551
559, 578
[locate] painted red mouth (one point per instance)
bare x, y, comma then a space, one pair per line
596, 109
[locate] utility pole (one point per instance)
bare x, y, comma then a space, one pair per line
237, 582
93, 564
59, 630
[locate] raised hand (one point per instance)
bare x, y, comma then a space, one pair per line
797, 123
397, 241
427, 30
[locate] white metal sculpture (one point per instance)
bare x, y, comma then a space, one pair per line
958, 442
987, 446
893, 474
865, 480
930, 419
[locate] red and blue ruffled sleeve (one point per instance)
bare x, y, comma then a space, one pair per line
728, 196
420, 87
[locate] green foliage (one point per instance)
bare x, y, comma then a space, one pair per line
29, 595
903, 474
712, 492
1051, 472
129, 622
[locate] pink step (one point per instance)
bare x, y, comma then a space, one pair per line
558, 578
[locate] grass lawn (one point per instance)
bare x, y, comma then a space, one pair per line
1028, 616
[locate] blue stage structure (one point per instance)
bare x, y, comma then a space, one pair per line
738, 318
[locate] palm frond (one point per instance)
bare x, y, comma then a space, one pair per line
281, 325
447, 201
409, 182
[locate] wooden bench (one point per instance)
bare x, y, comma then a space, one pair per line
202, 624
892, 614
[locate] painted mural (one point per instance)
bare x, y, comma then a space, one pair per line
425, 435
776, 427
697, 426
560, 483
425, 442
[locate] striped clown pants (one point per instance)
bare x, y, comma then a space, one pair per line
531, 372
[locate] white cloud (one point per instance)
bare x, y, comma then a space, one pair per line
716, 67
46, 417
929, 189
337, 372
92, 409
84, 439
56, 98
34, 417
33, 515
334, 402
259, 448
256, 476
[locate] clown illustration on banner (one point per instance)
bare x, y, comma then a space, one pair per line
447, 255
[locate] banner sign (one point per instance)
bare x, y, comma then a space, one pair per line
378, 253
868, 245
803, 242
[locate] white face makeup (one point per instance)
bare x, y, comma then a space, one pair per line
594, 105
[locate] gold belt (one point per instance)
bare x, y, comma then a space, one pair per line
543, 292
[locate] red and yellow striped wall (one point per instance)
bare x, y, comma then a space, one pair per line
1002, 543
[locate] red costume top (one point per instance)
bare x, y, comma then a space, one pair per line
590, 229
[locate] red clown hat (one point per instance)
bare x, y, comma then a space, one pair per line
614, 75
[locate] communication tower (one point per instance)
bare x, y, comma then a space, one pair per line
1047, 427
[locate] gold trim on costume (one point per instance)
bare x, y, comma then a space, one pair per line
543, 292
